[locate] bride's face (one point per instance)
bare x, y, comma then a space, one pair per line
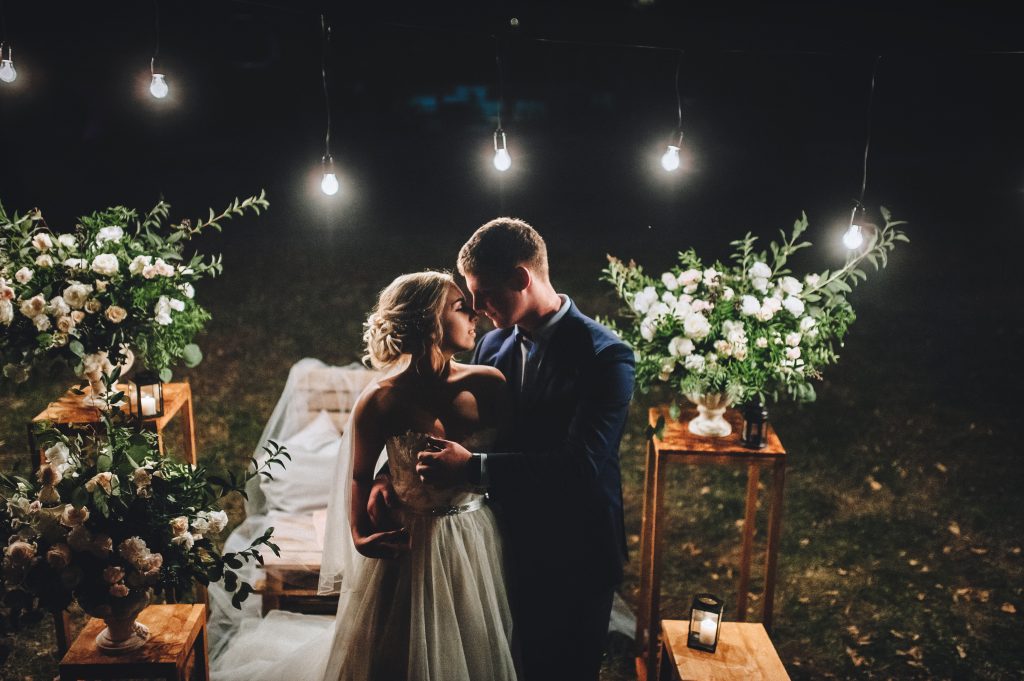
458, 322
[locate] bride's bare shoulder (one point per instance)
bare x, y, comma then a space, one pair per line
378, 398
481, 373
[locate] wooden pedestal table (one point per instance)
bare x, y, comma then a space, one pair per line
70, 411
176, 647
677, 445
744, 653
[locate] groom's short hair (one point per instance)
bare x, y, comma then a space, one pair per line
499, 246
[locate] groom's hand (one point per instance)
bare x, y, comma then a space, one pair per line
443, 463
391, 544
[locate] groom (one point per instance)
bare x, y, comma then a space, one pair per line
557, 480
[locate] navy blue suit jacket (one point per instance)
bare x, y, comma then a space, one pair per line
557, 479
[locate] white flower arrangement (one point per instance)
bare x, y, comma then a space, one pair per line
749, 330
117, 281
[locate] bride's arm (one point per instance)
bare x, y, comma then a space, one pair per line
367, 442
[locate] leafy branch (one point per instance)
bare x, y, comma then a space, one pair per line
236, 208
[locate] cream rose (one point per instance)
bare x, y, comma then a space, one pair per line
42, 242
139, 263
44, 261
105, 264
107, 234
116, 314
65, 324
76, 294
92, 306
102, 480
23, 276
6, 312
67, 240
179, 525
74, 517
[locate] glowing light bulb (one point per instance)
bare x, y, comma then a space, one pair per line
502, 161
7, 71
670, 160
158, 87
853, 237
329, 185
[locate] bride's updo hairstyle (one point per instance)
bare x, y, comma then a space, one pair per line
407, 321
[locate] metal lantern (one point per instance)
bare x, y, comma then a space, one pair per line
705, 622
755, 425
149, 395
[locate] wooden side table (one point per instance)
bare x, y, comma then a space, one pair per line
69, 410
744, 653
677, 445
177, 646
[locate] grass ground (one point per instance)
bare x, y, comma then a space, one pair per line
902, 533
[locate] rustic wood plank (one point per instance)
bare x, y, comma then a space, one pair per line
745, 653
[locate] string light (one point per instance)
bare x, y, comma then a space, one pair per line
854, 236
329, 181
8, 73
158, 82
502, 160
670, 159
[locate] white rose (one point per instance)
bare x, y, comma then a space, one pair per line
701, 305
710, 275
680, 346
647, 327
669, 298
179, 525
65, 324
681, 310
791, 285
807, 323
186, 540
723, 347
668, 365
116, 314
793, 339
163, 269
739, 352
67, 240
188, 290
812, 280
690, 277
163, 319
772, 304
6, 312
102, 480
57, 456
749, 305
42, 322
201, 524
76, 264
218, 520
58, 307
44, 261
792, 353
759, 270
670, 281
106, 234
139, 263
760, 284
696, 326
76, 295
657, 310
734, 332
793, 305
134, 550
23, 276
42, 242
34, 306
6, 292
105, 264
92, 306
644, 299
694, 363
728, 293
761, 342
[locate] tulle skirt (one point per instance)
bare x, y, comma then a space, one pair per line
440, 613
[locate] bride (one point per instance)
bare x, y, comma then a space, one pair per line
426, 600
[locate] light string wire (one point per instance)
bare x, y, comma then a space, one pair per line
867, 133
3, 32
325, 30
501, 79
156, 37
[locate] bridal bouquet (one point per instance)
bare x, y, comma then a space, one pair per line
107, 520
748, 330
115, 284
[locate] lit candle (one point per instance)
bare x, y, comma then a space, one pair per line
148, 405
708, 627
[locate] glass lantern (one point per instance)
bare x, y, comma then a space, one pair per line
755, 425
149, 395
705, 622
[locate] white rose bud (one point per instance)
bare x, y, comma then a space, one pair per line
670, 281
647, 328
791, 286
44, 261
42, 242
65, 324
188, 290
793, 305
761, 342
680, 346
739, 352
807, 323
186, 540
759, 270
812, 280
792, 353
139, 263
793, 339
107, 234
696, 326
67, 240
749, 306
179, 525
694, 363
728, 293
23, 276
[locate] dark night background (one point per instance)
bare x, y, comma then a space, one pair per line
774, 99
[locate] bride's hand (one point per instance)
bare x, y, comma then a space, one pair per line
389, 545
380, 504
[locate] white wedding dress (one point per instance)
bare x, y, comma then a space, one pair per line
439, 613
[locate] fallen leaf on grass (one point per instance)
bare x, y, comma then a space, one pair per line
805, 541
961, 651
983, 595
1009, 608
920, 596
941, 466
1015, 550
914, 653
979, 550
897, 634
913, 562
705, 490
856, 659
954, 528
842, 572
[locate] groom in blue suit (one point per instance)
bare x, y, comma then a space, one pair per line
557, 479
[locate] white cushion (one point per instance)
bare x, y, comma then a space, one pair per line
304, 484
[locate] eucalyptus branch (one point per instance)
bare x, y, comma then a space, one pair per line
275, 453
236, 208
879, 244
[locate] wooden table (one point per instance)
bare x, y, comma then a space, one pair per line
69, 410
291, 581
744, 653
176, 647
677, 445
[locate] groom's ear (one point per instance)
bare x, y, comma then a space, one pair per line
520, 279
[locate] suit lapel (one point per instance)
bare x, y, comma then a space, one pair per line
504, 361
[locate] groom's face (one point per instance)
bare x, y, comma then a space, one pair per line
496, 298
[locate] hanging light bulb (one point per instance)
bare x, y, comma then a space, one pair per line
670, 159
853, 237
7, 71
502, 161
158, 86
329, 183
